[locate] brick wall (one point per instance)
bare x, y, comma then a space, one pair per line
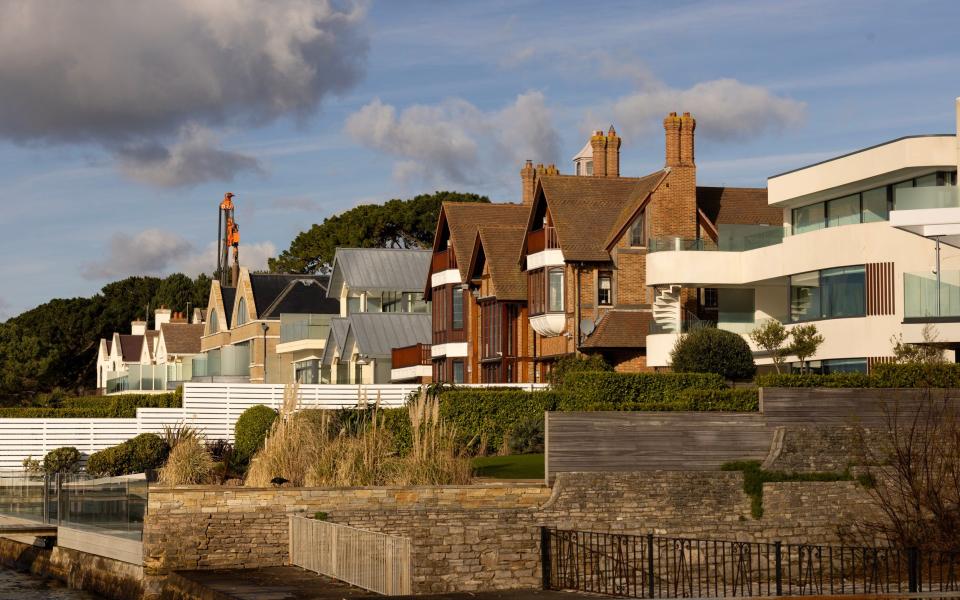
486, 537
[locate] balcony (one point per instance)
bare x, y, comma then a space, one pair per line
939, 196
410, 356
542, 239
443, 261
229, 363
296, 327
139, 379
731, 238
926, 299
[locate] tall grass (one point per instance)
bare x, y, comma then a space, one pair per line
189, 462
316, 451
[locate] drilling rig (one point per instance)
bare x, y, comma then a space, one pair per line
228, 236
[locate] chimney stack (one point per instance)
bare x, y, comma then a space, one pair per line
160, 316
687, 125
613, 153
671, 128
178, 317
528, 182
138, 327
598, 143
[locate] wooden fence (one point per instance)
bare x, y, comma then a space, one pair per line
374, 561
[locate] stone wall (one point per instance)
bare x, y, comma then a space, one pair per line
487, 537
822, 448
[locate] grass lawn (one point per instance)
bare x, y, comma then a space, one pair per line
518, 466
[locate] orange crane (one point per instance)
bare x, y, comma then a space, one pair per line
228, 236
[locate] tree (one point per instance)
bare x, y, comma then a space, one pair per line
927, 353
771, 336
712, 350
806, 340
395, 224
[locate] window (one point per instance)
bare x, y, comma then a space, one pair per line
491, 329
242, 311
875, 206
458, 371
353, 305
828, 294
307, 371
357, 372
589, 167
833, 365
638, 231
457, 312
343, 372
808, 218
843, 211
555, 290
711, 298
373, 303
214, 323
392, 302
605, 288
414, 302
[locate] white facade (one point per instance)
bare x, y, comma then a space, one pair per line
859, 258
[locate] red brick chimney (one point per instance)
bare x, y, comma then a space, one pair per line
598, 143
671, 128
528, 182
613, 153
687, 125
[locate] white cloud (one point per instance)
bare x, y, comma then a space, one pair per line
518, 57
454, 141
160, 252
131, 73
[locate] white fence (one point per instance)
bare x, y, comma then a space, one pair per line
374, 561
212, 408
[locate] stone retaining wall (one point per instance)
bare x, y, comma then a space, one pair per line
486, 537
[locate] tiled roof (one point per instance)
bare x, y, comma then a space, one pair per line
620, 329
150, 338
500, 244
738, 206
586, 210
130, 347
464, 218
387, 269
182, 338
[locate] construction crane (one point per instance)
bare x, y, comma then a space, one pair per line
228, 236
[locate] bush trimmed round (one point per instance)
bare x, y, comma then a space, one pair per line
137, 455
61, 460
712, 350
251, 430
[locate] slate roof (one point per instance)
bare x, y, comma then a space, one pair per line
336, 338
377, 334
383, 269
302, 296
228, 294
464, 218
586, 210
130, 347
738, 206
499, 246
620, 329
267, 288
182, 338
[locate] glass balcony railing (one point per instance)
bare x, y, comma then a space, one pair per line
730, 238
295, 327
940, 196
924, 298
138, 378
228, 361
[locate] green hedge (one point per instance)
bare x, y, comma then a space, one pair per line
734, 400
90, 407
583, 389
945, 375
136, 455
481, 415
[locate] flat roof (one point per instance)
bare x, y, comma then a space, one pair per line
906, 137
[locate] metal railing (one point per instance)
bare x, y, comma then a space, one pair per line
109, 505
374, 561
637, 566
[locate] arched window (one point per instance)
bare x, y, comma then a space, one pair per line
242, 312
214, 323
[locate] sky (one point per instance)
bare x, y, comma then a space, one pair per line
123, 122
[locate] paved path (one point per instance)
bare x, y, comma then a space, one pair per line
23, 586
292, 583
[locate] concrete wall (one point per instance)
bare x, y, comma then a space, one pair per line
486, 537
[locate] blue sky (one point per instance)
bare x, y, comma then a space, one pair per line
415, 97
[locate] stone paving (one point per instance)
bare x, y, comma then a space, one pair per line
23, 586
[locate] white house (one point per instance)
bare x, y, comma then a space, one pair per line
870, 250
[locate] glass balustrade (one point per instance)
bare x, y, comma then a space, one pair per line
730, 238
923, 297
941, 196
295, 327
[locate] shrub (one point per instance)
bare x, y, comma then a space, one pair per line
735, 400
833, 380
573, 363
92, 407
189, 463
916, 375
711, 350
61, 460
527, 437
251, 430
136, 455
484, 418
582, 389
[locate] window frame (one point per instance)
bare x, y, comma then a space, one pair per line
241, 311
548, 303
820, 296
457, 300
639, 222
608, 276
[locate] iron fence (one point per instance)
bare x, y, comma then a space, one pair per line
637, 566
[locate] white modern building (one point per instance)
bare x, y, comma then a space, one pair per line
870, 251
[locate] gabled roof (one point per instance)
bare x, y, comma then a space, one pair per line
496, 246
463, 219
130, 347
738, 206
620, 329
267, 288
377, 334
182, 338
302, 296
149, 340
229, 294
386, 269
587, 210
